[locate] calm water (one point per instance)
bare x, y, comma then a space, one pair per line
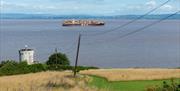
157, 46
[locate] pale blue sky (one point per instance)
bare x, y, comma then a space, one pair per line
89, 7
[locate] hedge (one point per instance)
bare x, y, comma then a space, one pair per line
13, 68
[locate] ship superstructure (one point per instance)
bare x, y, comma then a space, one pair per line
82, 23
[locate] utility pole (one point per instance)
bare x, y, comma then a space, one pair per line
77, 54
56, 56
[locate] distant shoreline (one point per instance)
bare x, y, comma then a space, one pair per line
49, 16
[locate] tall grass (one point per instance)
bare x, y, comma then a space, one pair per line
134, 74
45, 81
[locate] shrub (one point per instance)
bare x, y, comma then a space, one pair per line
11, 67
59, 67
37, 67
66, 67
58, 58
8, 61
8, 69
166, 87
79, 68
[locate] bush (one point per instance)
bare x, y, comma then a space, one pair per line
8, 69
166, 87
66, 67
37, 67
79, 68
59, 67
11, 67
58, 58
8, 61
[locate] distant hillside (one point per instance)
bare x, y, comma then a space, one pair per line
49, 16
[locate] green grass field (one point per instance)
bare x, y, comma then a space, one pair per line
106, 85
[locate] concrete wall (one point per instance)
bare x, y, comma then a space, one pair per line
27, 56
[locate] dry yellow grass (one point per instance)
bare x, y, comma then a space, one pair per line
45, 81
134, 74
63, 81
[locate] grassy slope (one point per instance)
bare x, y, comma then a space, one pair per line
103, 83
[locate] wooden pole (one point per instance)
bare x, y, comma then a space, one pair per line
77, 55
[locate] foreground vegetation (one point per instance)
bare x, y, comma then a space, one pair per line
14, 68
135, 79
56, 75
145, 85
45, 81
64, 81
134, 74
55, 62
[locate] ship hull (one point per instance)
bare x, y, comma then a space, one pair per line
82, 23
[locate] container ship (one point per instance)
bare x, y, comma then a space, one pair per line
82, 23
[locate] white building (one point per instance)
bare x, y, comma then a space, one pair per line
26, 55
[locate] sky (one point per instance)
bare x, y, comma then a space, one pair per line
87, 7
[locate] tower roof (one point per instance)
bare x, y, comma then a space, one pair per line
26, 49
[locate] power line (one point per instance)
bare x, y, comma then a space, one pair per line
70, 51
114, 29
72, 46
66, 48
141, 29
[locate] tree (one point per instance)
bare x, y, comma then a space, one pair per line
58, 58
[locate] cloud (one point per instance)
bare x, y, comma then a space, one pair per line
65, 6
101, 7
6, 6
147, 6
151, 4
167, 8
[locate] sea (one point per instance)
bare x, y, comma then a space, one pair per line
108, 46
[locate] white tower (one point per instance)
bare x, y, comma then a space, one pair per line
26, 55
